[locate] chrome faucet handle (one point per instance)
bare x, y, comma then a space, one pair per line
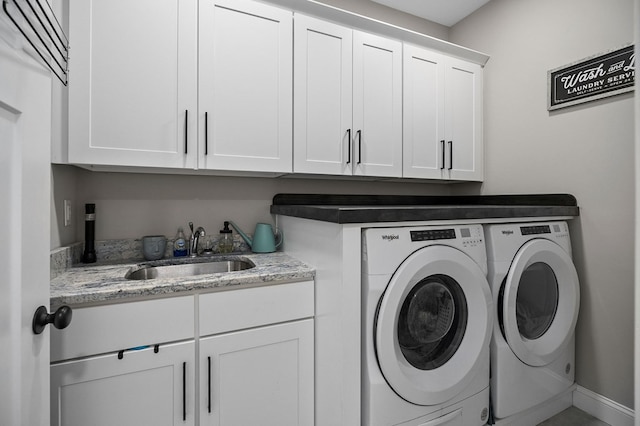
195, 237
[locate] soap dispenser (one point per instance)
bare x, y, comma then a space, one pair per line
225, 244
180, 248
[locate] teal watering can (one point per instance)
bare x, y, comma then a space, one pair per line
263, 241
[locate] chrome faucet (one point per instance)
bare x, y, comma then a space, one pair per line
195, 237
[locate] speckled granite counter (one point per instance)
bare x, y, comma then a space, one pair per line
105, 283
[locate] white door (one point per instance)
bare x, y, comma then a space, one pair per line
261, 376
141, 387
322, 97
377, 106
540, 302
463, 112
133, 98
423, 113
245, 86
25, 138
433, 324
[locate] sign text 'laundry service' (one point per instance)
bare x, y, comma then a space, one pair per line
593, 78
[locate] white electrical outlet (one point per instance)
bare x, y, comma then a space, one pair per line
67, 212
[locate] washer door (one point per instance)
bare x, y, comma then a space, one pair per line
433, 323
540, 302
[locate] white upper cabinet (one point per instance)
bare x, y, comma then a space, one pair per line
463, 120
322, 97
245, 86
441, 117
423, 114
133, 95
377, 105
348, 101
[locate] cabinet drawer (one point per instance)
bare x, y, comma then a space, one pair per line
108, 328
251, 307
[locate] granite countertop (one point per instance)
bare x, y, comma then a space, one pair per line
390, 208
103, 283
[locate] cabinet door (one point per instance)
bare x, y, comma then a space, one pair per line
142, 388
133, 94
261, 376
423, 114
245, 78
463, 104
377, 105
322, 97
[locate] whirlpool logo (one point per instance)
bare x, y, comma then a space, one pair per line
391, 237
507, 232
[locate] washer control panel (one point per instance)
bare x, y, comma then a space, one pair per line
433, 234
468, 236
383, 249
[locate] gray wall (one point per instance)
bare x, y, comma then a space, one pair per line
584, 150
131, 205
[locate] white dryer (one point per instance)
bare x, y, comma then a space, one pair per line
426, 326
536, 294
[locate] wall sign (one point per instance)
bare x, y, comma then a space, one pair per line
592, 78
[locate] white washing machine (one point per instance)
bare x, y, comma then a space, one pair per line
536, 294
427, 321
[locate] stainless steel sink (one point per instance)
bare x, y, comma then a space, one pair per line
148, 272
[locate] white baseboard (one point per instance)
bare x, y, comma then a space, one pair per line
602, 408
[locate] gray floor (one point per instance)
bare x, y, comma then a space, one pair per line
573, 417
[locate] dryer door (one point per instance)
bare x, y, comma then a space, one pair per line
433, 325
540, 299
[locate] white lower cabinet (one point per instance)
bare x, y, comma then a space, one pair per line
140, 387
262, 376
251, 362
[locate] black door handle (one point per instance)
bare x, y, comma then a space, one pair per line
359, 133
450, 155
209, 384
443, 155
349, 146
184, 391
186, 130
60, 319
206, 134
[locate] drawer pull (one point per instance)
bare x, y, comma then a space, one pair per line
121, 352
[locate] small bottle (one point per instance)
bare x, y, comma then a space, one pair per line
225, 244
89, 255
180, 248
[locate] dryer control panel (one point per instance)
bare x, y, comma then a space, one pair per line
504, 240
